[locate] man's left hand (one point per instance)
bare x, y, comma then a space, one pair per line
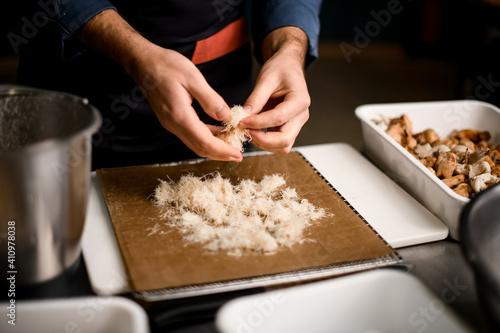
280, 101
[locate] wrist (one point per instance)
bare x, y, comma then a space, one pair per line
290, 41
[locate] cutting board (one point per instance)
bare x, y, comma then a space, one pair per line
396, 216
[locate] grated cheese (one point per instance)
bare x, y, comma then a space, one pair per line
256, 216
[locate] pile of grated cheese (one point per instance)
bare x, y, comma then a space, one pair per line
256, 216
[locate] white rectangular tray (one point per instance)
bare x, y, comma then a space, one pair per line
381, 300
80, 314
392, 212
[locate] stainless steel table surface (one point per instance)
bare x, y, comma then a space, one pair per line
442, 267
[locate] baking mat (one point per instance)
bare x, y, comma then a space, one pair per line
162, 265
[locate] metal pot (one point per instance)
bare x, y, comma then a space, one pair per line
45, 155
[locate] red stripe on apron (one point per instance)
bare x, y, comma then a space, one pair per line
227, 40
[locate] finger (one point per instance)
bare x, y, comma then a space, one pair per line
211, 102
282, 113
204, 144
260, 95
216, 130
199, 138
281, 139
273, 142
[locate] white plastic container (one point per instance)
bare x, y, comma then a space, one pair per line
444, 117
80, 314
383, 300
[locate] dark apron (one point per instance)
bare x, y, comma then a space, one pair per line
131, 133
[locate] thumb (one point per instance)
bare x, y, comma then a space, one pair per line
259, 97
211, 102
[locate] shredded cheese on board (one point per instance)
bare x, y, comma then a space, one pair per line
256, 216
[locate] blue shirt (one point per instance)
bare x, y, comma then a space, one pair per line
71, 15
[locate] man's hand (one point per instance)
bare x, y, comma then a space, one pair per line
176, 81
169, 81
280, 91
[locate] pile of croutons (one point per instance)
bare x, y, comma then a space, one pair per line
464, 160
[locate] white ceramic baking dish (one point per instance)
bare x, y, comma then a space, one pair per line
407, 171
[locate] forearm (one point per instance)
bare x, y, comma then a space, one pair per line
109, 34
286, 41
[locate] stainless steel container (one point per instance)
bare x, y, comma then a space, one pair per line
45, 154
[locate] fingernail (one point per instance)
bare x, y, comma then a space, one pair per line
222, 113
238, 158
247, 108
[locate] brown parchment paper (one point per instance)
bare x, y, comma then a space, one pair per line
164, 260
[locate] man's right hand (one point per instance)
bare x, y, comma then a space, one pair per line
169, 81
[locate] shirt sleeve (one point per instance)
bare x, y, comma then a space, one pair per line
268, 15
71, 15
